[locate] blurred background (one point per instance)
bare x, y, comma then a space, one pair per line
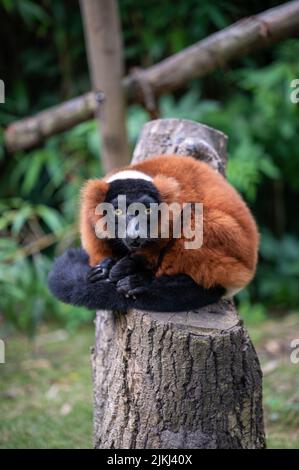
45, 384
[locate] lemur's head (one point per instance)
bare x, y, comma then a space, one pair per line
130, 200
132, 195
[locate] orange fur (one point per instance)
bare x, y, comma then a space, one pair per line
92, 194
228, 255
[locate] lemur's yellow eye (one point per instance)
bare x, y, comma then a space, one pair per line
118, 211
148, 210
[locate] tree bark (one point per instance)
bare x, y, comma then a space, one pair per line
211, 53
105, 57
177, 380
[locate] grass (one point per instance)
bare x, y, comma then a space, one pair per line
46, 395
272, 340
45, 391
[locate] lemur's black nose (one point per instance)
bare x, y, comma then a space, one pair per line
134, 242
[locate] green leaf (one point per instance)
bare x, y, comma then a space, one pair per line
51, 218
20, 219
33, 172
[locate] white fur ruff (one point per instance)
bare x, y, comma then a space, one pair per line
129, 174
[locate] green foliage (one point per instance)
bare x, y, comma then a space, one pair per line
252, 314
31, 228
278, 272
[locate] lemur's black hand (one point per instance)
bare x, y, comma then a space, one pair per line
126, 266
101, 271
135, 284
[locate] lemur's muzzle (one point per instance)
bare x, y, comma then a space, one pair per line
136, 235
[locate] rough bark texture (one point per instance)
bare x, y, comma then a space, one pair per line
182, 137
214, 52
105, 57
184, 380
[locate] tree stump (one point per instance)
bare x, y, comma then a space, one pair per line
187, 380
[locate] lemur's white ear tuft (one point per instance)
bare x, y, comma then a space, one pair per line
168, 187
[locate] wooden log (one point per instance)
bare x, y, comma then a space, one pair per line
177, 380
241, 38
105, 57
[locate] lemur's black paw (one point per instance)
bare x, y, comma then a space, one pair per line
101, 271
125, 267
133, 285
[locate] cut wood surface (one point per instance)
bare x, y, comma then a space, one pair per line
177, 380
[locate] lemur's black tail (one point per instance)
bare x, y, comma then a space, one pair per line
68, 282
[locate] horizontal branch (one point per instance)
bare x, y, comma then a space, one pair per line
211, 53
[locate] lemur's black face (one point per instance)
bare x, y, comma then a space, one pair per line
132, 213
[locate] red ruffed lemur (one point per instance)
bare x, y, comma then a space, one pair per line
159, 273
